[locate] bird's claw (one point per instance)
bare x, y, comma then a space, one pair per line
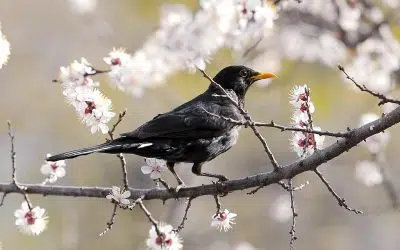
222, 178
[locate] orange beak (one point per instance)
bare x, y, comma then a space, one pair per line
263, 76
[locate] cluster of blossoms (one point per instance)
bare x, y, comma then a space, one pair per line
167, 239
186, 41
304, 143
92, 107
4, 49
369, 172
33, 220
332, 33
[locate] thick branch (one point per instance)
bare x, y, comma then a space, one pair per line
265, 179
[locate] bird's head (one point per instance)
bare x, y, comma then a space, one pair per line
239, 79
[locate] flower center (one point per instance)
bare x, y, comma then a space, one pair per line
160, 240
116, 61
29, 218
90, 107
53, 166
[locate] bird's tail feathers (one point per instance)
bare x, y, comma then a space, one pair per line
83, 151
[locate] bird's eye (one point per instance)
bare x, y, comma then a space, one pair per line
243, 73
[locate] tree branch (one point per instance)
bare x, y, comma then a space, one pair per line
263, 179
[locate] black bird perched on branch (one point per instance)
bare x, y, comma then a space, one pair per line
193, 132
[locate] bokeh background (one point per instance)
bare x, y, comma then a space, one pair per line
47, 34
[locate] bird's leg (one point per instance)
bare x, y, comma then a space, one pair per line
196, 169
181, 184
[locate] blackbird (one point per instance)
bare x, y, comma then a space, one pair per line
194, 132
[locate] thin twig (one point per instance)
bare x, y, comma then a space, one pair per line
124, 171
149, 216
3, 197
363, 88
112, 130
120, 156
14, 168
164, 183
288, 188
182, 225
247, 116
111, 222
292, 232
272, 124
341, 200
217, 203
96, 72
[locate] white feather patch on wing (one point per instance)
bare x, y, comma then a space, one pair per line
145, 145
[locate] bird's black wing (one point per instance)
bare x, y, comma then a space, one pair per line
187, 121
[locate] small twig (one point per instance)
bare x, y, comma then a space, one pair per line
272, 124
382, 97
111, 222
182, 225
288, 188
124, 171
14, 168
120, 156
218, 203
164, 183
149, 216
292, 232
247, 116
3, 197
112, 130
341, 201
97, 71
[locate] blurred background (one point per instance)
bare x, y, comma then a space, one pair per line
45, 35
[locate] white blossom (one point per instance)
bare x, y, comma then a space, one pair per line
167, 240
377, 142
119, 196
31, 222
281, 210
95, 111
154, 167
368, 173
4, 49
53, 170
223, 220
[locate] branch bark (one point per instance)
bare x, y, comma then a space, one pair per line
263, 179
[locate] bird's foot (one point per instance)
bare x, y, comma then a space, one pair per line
222, 178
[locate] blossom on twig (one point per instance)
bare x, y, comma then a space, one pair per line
223, 220
167, 240
92, 107
304, 143
31, 221
154, 167
119, 196
53, 170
